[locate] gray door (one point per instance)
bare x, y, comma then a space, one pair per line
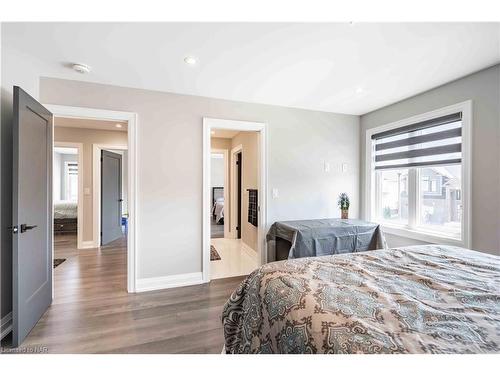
32, 213
111, 196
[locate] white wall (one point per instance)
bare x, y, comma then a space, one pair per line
217, 170
169, 205
483, 88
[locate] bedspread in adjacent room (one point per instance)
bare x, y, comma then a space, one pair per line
319, 237
65, 210
419, 299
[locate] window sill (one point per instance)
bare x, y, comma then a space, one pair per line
420, 235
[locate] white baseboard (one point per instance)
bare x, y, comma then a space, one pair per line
5, 325
165, 282
249, 251
87, 245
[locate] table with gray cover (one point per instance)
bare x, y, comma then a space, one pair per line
310, 238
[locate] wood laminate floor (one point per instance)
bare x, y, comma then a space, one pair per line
93, 313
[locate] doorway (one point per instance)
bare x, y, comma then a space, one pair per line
239, 163
242, 249
91, 192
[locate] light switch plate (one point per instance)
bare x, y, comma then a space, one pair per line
86, 191
276, 193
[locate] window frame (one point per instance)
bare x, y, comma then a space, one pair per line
67, 175
411, 230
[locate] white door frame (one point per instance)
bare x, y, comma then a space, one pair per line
208, 125
226, 186
80, 244
96, 189
234, 204
132, 119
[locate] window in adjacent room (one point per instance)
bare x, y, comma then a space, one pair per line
417, 177
71, 181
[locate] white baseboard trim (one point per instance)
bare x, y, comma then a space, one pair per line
165, 282
249, 251
87, 245
5, 325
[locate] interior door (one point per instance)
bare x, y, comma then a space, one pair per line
32, 213
111, 196
239, 164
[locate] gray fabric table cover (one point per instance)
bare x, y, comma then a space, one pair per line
319, 237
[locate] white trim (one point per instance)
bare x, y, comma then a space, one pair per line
96, 188
80, 205
225, 152
132, 119
208, 124
5, 325
249, 251
368, 214
88, 245
234, 204
172, 281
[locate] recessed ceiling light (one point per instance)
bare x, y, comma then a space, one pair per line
118, 125
190, 60
82, 68
360, 90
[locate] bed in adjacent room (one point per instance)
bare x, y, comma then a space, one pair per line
65, 217
420, 299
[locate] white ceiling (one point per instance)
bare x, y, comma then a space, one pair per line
66, 150
335, 67
68, 122
224, 133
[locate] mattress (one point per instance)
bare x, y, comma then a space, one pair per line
65, 210
420, 299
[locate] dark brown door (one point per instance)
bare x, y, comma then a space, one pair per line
239, 160
32, 213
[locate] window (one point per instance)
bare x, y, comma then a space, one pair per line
393, 195
71, 181
417, 180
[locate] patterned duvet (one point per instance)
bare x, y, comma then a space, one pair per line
419, 299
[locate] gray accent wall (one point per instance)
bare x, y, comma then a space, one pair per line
169, 205
483, 88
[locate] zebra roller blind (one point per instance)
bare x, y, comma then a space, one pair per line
432, 142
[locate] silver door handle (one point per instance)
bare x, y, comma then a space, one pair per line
25, 227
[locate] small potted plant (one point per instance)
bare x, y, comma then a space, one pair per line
344, 203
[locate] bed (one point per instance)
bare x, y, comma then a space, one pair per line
65, 217
306, 238
218, 204
420, 299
